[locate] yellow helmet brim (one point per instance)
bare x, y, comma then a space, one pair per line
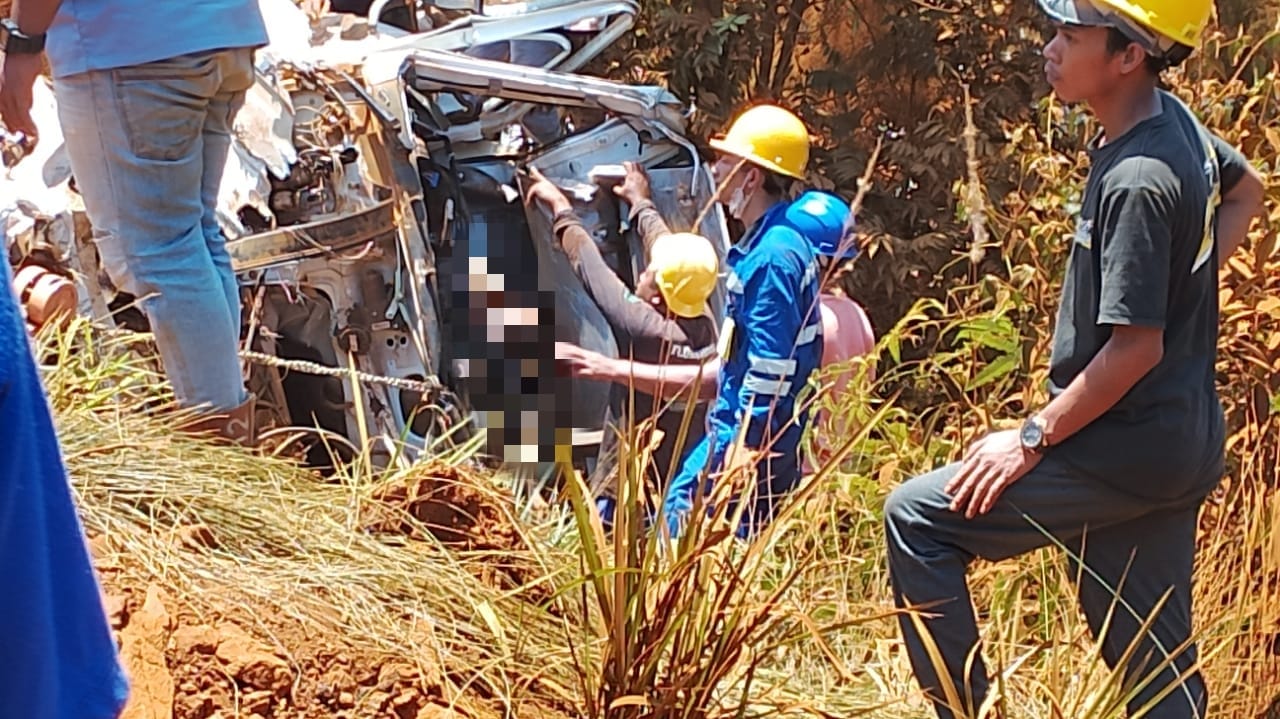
721, 145
687, 311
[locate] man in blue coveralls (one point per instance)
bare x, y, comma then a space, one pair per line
771, 339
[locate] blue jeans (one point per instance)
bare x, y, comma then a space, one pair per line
148, 144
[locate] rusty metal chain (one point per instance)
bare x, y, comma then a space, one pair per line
422, 386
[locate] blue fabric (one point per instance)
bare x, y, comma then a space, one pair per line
58, 654
100, 35
775, 346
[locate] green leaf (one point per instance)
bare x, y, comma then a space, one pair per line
996, 333
729, 23
999, 368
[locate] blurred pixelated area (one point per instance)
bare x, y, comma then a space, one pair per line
504, 334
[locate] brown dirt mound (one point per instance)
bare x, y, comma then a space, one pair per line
449, 505
226, 656
455, 509
185, 666
205, 649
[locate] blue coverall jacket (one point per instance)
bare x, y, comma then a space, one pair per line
774, 343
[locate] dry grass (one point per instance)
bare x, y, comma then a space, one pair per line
810, 602
285, 540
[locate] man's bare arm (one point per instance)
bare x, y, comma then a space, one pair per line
667, 381
18, 75
998, 459
1235, 216
663, 381
1127, 357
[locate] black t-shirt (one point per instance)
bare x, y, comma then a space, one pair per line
1144, 254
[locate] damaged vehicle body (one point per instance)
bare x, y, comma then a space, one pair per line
397, 292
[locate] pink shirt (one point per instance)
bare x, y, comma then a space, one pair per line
846, 333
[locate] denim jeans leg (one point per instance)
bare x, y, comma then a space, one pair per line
134, 137
237, 77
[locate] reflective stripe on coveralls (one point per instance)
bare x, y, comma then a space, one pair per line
774, 344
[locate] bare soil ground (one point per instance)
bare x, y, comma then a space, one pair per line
243, 659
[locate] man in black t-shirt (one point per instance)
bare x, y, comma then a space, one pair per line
664, 321
1116, 466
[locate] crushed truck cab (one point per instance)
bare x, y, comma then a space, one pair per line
399, 296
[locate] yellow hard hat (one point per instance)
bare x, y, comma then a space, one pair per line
1158, 24
685, 268
1179, 20
769, 136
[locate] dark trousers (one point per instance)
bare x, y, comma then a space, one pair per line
1142, 547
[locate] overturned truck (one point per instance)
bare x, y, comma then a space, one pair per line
398, 294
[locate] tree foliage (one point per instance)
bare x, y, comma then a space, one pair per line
863, 71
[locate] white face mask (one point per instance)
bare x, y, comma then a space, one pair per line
736, 203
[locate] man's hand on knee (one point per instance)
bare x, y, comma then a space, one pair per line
989, 467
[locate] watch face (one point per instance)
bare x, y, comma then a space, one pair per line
1032, 435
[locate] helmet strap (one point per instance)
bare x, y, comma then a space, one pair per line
1177, 55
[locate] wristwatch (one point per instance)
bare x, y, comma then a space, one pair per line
13, 41
1033, 435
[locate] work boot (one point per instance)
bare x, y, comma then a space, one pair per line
237, 425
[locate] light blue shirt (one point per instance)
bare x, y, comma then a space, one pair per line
107, 34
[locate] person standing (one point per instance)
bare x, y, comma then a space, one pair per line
665, 320
827, 221
771, 340
1118, 463
147, 93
